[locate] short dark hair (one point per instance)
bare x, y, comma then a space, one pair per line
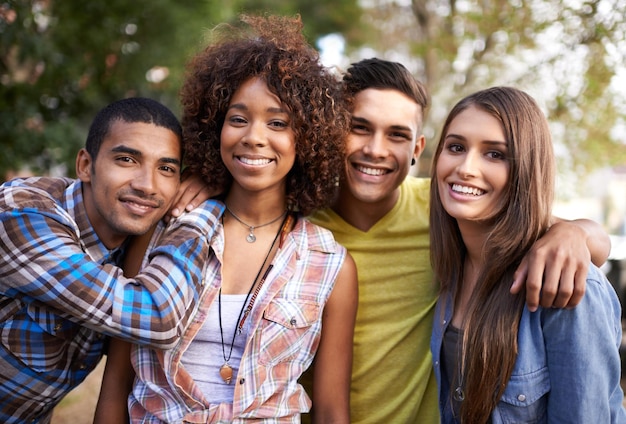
384, 75
130, 110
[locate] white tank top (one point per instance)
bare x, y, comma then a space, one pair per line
204, 358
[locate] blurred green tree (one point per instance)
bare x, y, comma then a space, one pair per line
569, 55
61, 61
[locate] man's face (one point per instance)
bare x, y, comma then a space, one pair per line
385, 137
133, 180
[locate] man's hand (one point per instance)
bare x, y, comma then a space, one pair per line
555, 268
192, 192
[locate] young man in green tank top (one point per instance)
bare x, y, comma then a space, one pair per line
381, 217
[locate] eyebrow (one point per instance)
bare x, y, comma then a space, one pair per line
241, 106
134, 152
393, 127
494, 142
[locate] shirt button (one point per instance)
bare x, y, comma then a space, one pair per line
293, 322
444, 322
82, 366
436, 363
58, 327
521, 398
242, 380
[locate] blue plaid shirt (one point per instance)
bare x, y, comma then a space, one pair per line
61, 292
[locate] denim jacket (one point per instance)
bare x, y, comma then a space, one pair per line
568, 365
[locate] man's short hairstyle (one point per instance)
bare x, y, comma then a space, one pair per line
131, 110
384, 75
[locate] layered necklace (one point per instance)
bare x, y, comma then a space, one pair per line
251, 238
226, 371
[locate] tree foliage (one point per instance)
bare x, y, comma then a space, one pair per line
568, 55
61, 61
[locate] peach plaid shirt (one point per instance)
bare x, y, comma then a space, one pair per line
284, 335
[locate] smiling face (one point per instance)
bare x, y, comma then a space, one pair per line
257, 142
385, 137
472, 168
133, 180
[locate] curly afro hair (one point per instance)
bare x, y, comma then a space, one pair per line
273, 49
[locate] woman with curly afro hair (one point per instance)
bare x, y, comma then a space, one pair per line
264, 124
281, 58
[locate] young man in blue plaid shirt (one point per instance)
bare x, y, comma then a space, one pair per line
61, 290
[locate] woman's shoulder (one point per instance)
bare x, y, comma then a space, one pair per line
317, 237
599, 299
598, 285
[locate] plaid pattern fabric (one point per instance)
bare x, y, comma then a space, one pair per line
59, 288
285, 329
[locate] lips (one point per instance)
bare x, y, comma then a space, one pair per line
458, 188
371, 171
254, 162
138, 205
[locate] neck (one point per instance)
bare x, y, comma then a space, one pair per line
474, 240
464, 290
474, 236
110, 239
364, 215
256, 210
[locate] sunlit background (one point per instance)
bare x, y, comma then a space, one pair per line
61, 61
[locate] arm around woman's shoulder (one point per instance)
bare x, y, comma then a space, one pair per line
582, 347
554, 270
333, 360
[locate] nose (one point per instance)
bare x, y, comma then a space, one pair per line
255, 135
468, 165
375, 146
145, 180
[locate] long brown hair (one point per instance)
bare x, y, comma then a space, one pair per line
492, 320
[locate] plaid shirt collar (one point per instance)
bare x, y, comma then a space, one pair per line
75, 206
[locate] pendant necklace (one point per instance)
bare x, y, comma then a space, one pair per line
459, 394
251, 238
226, 371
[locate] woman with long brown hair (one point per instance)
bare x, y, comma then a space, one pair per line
491, 198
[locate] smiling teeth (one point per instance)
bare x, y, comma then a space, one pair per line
139, 206
467, 190
371, 171
255, 161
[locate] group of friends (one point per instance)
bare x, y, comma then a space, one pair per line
303, 274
